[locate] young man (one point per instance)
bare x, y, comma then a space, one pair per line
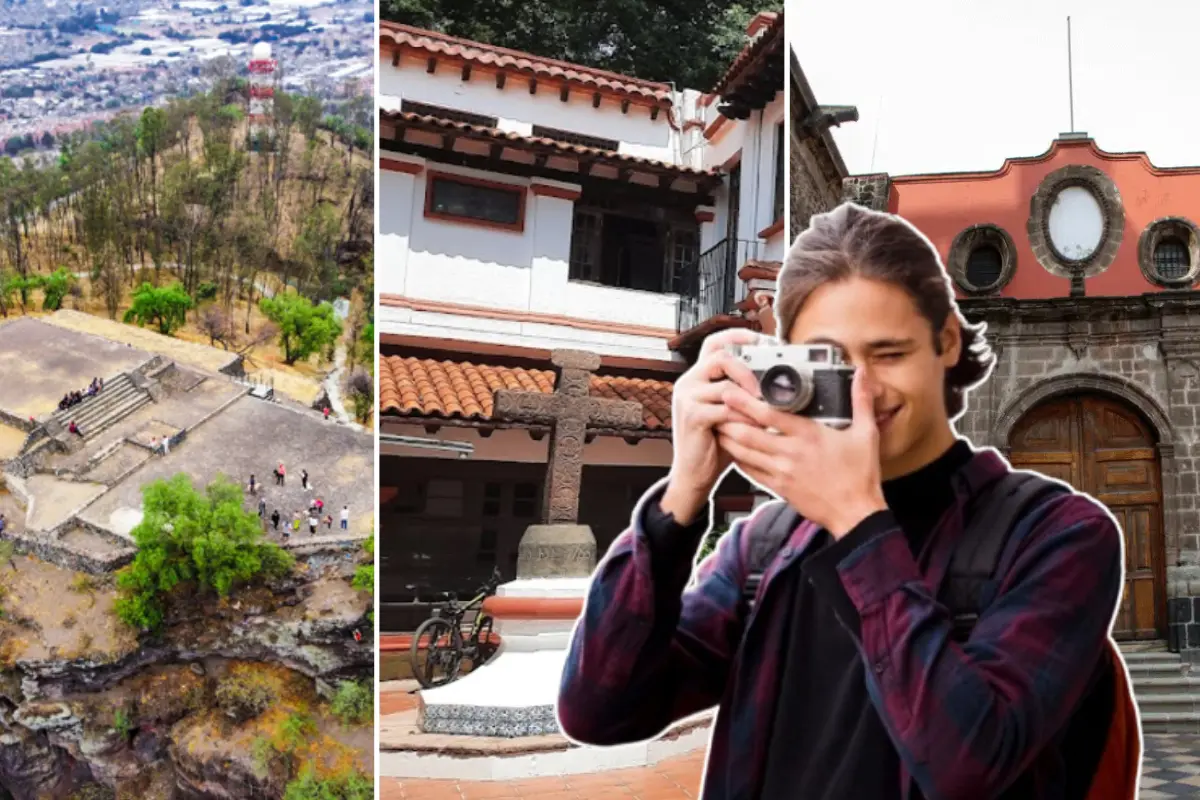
844, 681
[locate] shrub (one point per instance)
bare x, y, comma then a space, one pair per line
121, 723
354, 703
295, 731
243, 697
347, 786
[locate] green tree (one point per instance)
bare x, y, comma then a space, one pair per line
304, 329
690, 42
55, 287
21, 286
317, 245
187, 536
306, 111
362, 395
163, 306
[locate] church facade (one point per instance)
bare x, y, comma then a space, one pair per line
1082, 263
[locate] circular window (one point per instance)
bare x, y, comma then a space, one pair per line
982, 259
1076, 224
1171, 259
984, 265
1169, 252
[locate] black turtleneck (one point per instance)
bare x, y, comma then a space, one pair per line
827, 741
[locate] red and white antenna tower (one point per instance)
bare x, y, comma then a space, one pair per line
262, 96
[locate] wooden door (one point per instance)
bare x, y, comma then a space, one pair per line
1100, 446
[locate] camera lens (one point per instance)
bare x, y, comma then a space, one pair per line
785, 388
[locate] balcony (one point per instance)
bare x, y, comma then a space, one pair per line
709, 286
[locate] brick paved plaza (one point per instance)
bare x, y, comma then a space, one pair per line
1171, 769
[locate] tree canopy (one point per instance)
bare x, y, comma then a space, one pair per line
304, 329
190, 536
689, 42
163, 306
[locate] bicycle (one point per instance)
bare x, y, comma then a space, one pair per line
441, 637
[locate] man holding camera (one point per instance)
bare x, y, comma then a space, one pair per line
838, 667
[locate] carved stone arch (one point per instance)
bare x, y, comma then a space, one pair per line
1071, 383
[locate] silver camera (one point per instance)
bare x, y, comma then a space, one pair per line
809, 380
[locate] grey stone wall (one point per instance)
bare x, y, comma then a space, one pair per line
815, 182
1144, 351
869, 191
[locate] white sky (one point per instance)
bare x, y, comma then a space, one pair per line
959, 85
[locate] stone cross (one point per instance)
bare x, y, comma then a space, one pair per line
568, 412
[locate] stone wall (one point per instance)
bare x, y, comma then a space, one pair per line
815, 182
54, 551
869, 191
1143, 351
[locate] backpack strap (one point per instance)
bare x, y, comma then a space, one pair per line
777, 522
991, 517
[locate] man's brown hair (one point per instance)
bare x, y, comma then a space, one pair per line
854, 241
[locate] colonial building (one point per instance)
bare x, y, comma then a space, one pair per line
1083, 263
530, 207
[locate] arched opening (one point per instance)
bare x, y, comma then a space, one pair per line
1102, 445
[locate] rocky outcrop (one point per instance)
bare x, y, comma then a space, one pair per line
140, 722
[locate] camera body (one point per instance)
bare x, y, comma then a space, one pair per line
808, 380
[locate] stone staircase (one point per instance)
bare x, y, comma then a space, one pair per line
119, 398
1167, 692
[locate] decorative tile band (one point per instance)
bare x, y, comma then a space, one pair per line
489, 720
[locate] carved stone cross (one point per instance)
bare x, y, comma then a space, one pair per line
568, 412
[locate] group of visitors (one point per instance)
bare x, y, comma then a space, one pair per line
315, 516
71, 399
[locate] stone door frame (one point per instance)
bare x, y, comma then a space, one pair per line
1136, 398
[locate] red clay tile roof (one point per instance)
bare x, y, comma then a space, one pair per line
423, 387
439, 44
749, 53
496, 135
763, 270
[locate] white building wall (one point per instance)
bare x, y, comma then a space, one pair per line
526, 272
518, 111
396, 215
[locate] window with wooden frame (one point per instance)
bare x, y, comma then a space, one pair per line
632, 246
472, 201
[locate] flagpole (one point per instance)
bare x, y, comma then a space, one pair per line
1070, 76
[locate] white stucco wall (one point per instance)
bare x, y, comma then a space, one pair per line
518, 111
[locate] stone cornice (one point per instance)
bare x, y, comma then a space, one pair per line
1081, 309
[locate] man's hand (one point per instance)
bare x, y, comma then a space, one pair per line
829, 476
698, 461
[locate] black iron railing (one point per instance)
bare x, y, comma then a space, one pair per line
709, 286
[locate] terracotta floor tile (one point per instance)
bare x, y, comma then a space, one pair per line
674, 779
395, 702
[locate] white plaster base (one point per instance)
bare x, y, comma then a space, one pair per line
514, 693
572, 761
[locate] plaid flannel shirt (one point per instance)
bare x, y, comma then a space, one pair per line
967, 720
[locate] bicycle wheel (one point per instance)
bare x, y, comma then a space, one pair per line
443, 653
484, 649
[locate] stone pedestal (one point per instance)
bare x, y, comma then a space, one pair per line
514, 693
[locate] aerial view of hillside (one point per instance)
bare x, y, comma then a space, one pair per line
66, 64
186, 451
